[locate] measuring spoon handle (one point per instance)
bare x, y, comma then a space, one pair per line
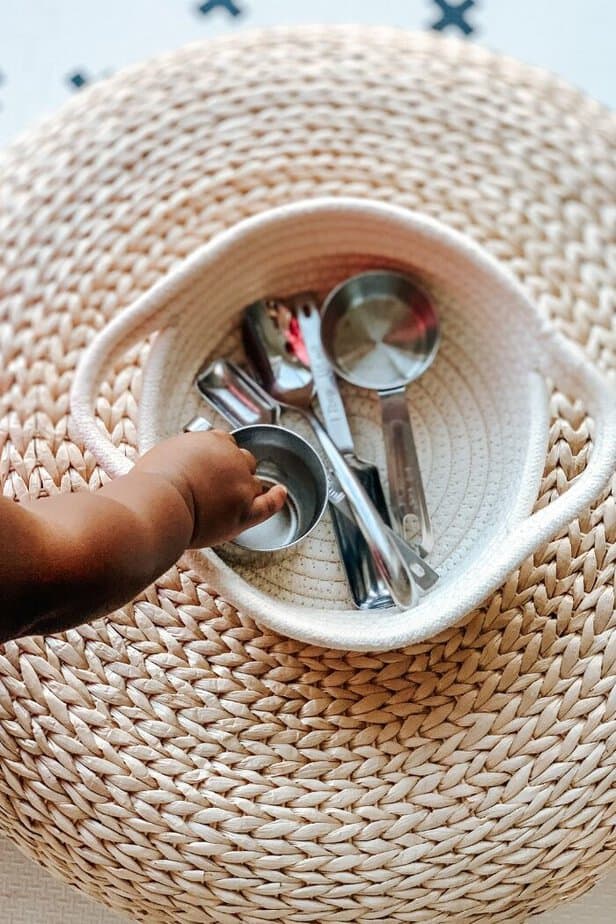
387, 556
325, 383
406, 491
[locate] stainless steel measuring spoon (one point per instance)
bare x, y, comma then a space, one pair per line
365, 583
380, 331
235, 395
240, 400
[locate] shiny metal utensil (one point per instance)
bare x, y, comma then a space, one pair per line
242, 400
425, 577
380, 331
366, 585
235, 395
305, 309
282, 457
280, 379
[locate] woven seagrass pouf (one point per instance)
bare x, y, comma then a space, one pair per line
175, 760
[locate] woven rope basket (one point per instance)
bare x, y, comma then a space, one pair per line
180, 763
484, 411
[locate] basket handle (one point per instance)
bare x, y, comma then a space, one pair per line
127, 329
568, 368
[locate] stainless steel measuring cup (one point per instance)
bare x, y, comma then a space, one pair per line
380, 331
283, 457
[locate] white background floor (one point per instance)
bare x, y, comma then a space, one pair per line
47, 47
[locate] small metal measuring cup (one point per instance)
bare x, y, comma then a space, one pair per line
283, 457
380, 331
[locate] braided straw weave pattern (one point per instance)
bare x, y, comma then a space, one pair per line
178, 762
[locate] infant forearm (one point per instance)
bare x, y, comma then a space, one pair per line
92, 552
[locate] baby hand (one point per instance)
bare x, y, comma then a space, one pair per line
217, 481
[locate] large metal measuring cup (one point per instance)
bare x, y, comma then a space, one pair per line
380, 331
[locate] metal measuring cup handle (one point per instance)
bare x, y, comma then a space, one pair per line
404, 474
383, 548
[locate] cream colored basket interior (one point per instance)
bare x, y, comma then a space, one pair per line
480, 413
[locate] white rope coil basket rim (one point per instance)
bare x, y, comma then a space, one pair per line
438, 610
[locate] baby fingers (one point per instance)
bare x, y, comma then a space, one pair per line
266, 504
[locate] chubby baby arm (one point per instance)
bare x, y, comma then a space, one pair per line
69, 558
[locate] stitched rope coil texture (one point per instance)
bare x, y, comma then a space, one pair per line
178, 762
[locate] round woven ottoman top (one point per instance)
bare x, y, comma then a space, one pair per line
175, 760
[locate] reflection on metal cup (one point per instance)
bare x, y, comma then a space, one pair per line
282, 457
